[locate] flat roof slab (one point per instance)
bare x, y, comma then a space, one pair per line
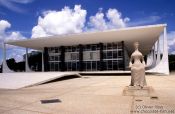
21, 80
145, 35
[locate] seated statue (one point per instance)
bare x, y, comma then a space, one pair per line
137, 65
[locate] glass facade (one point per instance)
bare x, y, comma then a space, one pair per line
91, 57
54, 59
113, 56
109, 55
71, 58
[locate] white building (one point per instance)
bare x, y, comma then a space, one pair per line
104, 51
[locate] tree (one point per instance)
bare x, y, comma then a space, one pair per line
172, 62
34, 60
11, 63
0, 68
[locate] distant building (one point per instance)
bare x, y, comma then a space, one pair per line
104, 51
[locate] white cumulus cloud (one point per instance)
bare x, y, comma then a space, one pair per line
67, 21
14, 35
60, 22
5, 36
115, 19
112, 19
171, 42
97, 22
4, 25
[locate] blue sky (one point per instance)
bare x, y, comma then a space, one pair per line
22, 16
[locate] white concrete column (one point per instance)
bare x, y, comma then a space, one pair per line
5, 68
149, 59
158, 52
154, 56
26, 62
165, 63
42, 61
163, 66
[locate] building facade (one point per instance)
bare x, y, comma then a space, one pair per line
108, 50
89, 57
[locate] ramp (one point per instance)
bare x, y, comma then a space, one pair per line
21, 80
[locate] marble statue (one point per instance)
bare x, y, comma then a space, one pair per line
137, 65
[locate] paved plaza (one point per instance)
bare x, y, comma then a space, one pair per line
91, 95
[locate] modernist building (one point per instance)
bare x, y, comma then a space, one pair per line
104, 51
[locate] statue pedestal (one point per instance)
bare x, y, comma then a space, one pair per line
146, 91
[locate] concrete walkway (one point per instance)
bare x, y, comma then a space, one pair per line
91, 95
21, 80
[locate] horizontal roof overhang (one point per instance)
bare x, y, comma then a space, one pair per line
145, 35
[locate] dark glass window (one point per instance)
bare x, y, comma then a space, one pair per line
115, 65
109, 46
97, 47
52, 50
94, 65
120, 46
93, 47
56, 58
104, 55
51, 58
120, 53
88, 47
120, 65
68, 49
74, 66
52, 66
104, 46
105, 65
69, 65
109, 55
114, 46
56, 66
114, 54
110, 65
73, 49
84, 65
56, 50
88, 65
78, 66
